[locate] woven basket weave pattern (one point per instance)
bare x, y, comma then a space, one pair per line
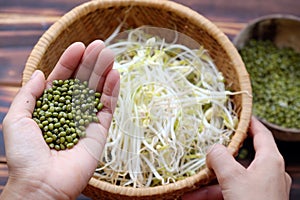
97, 20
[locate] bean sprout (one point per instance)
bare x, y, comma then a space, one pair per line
173, 105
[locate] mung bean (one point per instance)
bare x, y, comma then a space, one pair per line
275, 78
64, 111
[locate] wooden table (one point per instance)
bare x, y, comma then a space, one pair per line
23, 22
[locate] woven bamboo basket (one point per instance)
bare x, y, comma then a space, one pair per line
97, 20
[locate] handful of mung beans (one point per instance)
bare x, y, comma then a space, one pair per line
64, 111
275, 78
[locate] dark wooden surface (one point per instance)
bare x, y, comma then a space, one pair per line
23, 22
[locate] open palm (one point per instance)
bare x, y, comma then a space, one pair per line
60, 174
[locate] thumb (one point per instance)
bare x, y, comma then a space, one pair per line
24, 102
223, 163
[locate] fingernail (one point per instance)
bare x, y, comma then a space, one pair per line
48, 84
210, 148
35, 73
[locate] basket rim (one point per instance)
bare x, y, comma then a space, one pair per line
188, 182
246, 103
238, 40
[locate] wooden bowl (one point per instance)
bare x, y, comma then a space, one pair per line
284, 31
97, 20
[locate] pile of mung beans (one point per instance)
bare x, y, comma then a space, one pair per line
275, 78
64, 111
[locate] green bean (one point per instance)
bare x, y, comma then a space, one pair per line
54, 137
45, 107
49, 133
62, 139
41, 126
57, 147
70, 145
62, 134
275, 78
51, 127
62, 147
75, 141
42, 118
64, 111
46, 128
48, 114
57, 125
49, 139
100, 106
74, 135
38, 104
62, 120
81, 122
97, 94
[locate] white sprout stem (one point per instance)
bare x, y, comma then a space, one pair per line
172, 106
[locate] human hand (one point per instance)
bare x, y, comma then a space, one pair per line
35, 171
265, 178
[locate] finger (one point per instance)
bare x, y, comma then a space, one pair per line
18, 126
89, 60
222, 162
109, 97
95, 139
212, 192
24, 102
103, 65
68, 62
263, 139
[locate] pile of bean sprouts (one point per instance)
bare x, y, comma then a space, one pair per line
173, 105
